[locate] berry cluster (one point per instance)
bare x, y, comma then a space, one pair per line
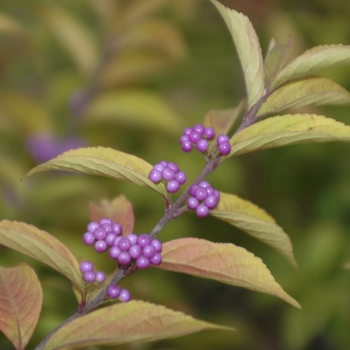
169, 172
90, 276
202, 198
199, 136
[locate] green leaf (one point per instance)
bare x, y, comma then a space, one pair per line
135, 321
118, 210
104, 162
10, 25
248, 49
288, 129
304, 92
253, 220
313, 61
72, 34
20, 303
139, 108
223, 262
275, 58
40, 245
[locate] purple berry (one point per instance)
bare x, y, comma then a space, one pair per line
202, 210
194, 136
100, 246
157, 245
142, 262
168, 174
156, 259
187, 131
148, 251
124, 258
181, 177
110, 239
192, 203
86, 266
202, 145
173, 186
90, 276
193, 190
106, 221
159, 167
173, 166
132, 237
100, 233
164, 163
117, 229
107, 227
217, 193
210, 190
114, 252
155, 175
204, 184
224, 148
124, 296
211, 201
143, 240
135, 251
116, 241
184, 138
113, 291
201, 193
199, 128
92, 226
209, 133
88, 238
124, 244
186, 146
100, 276
222, 138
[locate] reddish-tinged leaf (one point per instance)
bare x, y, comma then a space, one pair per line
119, 210
223, 262
135, 321
40, 245
104, 162
305, 92
254, 221
20, 303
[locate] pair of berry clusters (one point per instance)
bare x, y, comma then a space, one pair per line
141, 249
199, 136
169, 172
202, 198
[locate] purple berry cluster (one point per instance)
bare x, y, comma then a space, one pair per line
169, 172
199, 136
89, 273
202, 198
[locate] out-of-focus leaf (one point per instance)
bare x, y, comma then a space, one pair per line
118, 210
248, 49
135, 321
347, 265
313, 61
254, 221
73, 36
40, 245
275, 58
20, 303
103, 162
132, 67
158, 35
223, 262
288, 129
305, 92
10, 25
137, 108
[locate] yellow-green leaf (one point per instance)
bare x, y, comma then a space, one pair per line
20, 303
223, 262
248, 49
139, 108
118, 210
253, 220
135, 321
10, 25
40, 245
304, 92
313, 61
104, 162
288, 129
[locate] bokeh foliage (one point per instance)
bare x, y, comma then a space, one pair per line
130, 75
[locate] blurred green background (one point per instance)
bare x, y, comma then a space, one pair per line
131, 74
